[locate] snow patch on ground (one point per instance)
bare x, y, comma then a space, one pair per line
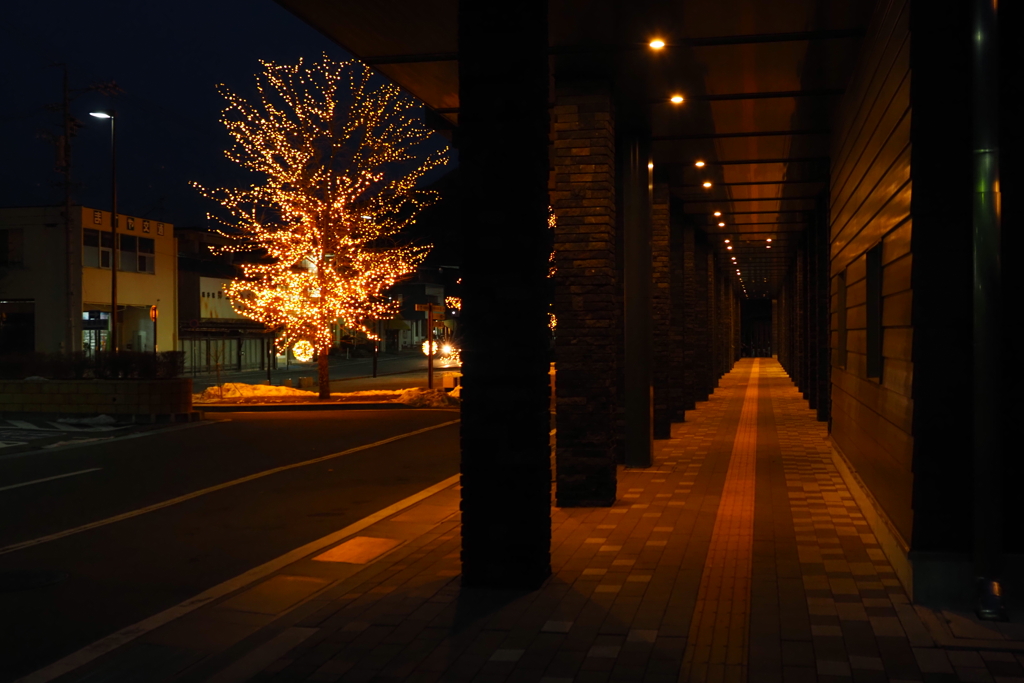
428, 398
240, 390
234, 392
98, 420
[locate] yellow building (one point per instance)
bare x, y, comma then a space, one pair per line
50, 311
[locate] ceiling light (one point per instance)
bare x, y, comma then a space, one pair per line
768, 247
656, 44
729, 247
721, 225
717, 214
769, 239
707, 183
727, 241
676, 99
699, 164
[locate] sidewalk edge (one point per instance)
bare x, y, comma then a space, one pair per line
110, 643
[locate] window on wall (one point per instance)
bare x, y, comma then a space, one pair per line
874, 312
96, 248
12, 248
841, 314
136, 254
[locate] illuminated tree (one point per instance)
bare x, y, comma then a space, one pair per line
339, 156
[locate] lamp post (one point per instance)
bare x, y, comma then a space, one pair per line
112, 115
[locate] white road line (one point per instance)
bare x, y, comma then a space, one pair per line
130, 633
210, 489
40, 481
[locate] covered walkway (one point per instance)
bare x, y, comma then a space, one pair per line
741, 554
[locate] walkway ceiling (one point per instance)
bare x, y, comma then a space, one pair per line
760, 78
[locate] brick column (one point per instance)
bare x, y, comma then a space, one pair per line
661, 310
690, 320
713, 332
588, 338
506, 461
677, 392
702, 329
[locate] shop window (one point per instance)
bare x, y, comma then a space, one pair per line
841, 314
874, 312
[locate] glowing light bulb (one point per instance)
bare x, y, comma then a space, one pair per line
721, 225
676, 99
699, 164
727, 241
769, 239
717, 214
706, 183
656, 44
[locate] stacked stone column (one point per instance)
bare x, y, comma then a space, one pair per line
588, 338
678, 396
691, 321
661, 310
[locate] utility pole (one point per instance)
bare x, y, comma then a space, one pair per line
431, 310
70, 247
72, 237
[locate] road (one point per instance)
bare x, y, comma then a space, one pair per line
125, 571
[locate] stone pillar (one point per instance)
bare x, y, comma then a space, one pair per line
678, 396
506, 466
702, 329
691, 331
661, 309
636, 222
588, 338
713, 334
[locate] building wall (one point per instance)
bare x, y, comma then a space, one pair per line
870, 205
138, 289
42, 276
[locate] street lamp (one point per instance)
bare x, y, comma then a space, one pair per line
112, 115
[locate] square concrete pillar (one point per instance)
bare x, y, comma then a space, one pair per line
503, 147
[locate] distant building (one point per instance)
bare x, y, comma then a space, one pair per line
212, 335
42, 308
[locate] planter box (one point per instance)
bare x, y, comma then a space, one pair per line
97, 396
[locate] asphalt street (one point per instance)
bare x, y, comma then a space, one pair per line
122, 572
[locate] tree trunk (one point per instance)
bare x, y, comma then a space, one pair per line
324, 373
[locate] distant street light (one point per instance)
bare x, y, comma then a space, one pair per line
112, 115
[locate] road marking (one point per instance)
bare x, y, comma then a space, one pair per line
40, 481
211, 489
130, 633
24, 425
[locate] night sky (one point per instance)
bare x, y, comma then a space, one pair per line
167, 57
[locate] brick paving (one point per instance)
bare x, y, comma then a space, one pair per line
676, 582
740, 555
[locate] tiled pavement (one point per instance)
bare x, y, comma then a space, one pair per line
740, 555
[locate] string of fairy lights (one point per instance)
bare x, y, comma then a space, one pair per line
339, 158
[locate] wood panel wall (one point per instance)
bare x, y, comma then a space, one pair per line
870, 204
